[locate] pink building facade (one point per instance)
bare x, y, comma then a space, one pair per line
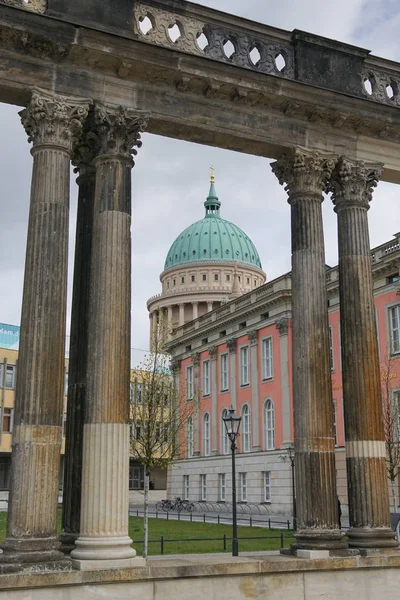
240, 355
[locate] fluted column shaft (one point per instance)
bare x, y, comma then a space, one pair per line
181, 314
83, 156
369, 517
195, 310
305, 174
104, 539
52, 123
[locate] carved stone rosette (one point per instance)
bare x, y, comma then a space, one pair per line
353, 182
54, 120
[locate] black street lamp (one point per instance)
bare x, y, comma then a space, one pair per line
232, 425
290, 453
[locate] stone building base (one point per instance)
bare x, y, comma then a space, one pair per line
259, 576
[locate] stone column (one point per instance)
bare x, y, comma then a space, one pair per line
196, 415
213, 351
53, 123
169, 318
195, 310
232, 370
83, 156
352, 184
181, 314
255, 414
283, 327
305, 174
209, 306
104, 541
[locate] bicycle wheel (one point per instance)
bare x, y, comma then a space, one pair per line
179, 506
159, 506
189, 506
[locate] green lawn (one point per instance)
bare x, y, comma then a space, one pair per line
172, 530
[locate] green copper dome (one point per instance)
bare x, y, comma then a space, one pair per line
212, 239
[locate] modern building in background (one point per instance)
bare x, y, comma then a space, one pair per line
240, 355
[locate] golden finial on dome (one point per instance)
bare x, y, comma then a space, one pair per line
212, 178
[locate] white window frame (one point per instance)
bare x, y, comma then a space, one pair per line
243, 487
267, 358
203, 487
206, 368
395, 400
3, 376
10, 414
186, 487
331, 353
269, 422
224, 435
246, 428
224, 371
335, 430
244, 365
189, 382
189, 437
267, 487
394, 331
206, 434
222, 487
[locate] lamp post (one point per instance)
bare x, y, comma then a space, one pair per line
291, 456
232, 425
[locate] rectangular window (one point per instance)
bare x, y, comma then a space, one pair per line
206, 378
204, 277
222, 487
335, 422
189, 383
7, 378
203, 487
331, 349
267, 486
243, 487
182, 280
244, 366
174, 282
394, 316
186, 487
267, 358
248, 281
5, 464
8, 420
216, 277
224, 372
66, 384
228, 277
193, 278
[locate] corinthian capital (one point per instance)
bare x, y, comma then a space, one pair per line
86, 148
52, 120
119, 129
352, 183
303, 171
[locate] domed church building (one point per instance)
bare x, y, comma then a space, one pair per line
211, 262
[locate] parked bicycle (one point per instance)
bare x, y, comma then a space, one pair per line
177, 504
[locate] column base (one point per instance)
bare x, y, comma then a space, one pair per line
103, 565
319, 539
67, 541
372, 538
105, 548
34, 551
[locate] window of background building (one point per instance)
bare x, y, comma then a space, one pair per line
228, 278
203, 487
5, 464
394, 316
189, 383
331, 363
216, 276
204, 277
206, 377
224, 435
193, 278
186, 487
182, 280
174, 282
222, 487
224, 364
206, 435
267, 363
244, 360
243, 487
9, 374
335, 422
189, 437
246, 428
8, 419
248, 281
267, 486
269, 425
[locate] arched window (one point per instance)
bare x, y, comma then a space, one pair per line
206, 435
224, 436
269, 420
189, 437
246, 429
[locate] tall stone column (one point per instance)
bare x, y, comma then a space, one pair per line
104, 541
53, 124
352, 185
283, 327
305, 174
195, 310
209, 306
181, 314
255, 414
83, 156
232, 370
213, 352
169, 319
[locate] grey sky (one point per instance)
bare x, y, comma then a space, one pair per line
171, 178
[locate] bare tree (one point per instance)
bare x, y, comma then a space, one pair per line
159, 415
391, 422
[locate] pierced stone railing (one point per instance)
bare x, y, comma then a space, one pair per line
381, 85
213, 40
